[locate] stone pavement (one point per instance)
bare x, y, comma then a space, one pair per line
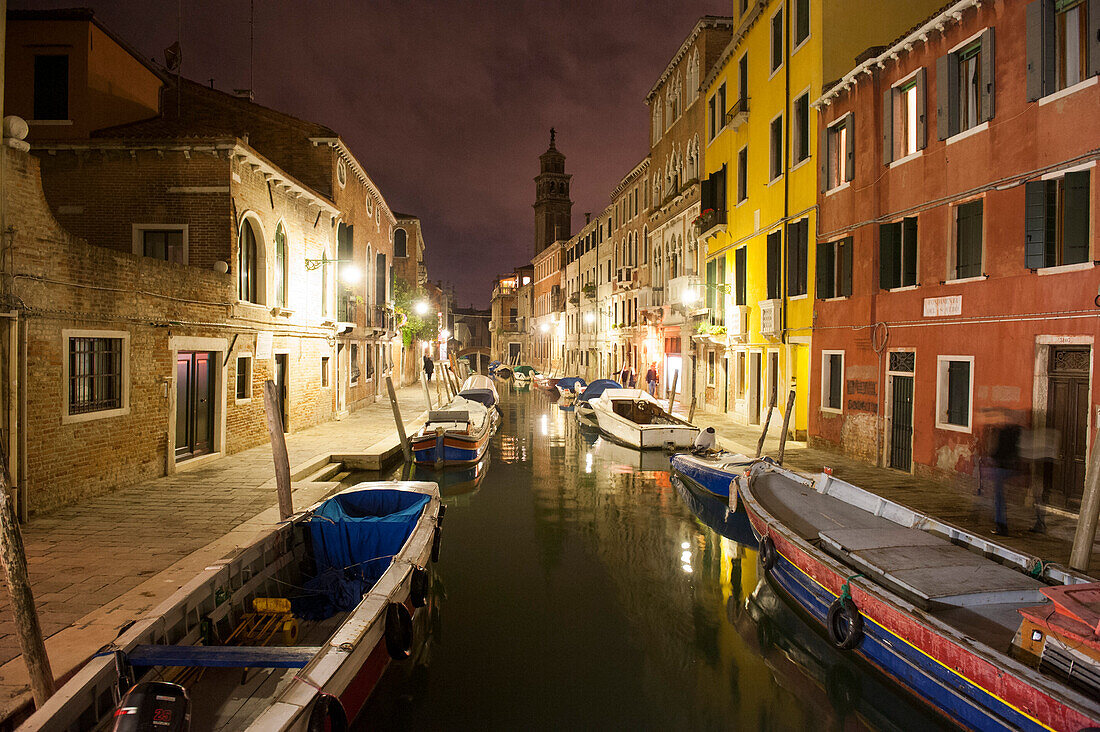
956, 503
106, 560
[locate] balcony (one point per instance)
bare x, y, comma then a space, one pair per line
771, 318
709, 222
575, 298
737, 325
684, 291
346, 309
738, 114
624, 278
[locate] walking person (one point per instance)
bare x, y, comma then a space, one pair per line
1004, 459
429, 366
651, 379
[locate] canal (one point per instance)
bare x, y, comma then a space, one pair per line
577, 588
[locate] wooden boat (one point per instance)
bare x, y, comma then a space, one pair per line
635, 418
583, 403
312, 661
572, 385
546, 383
932, 606
523, 375
502, 372
458, 434
707, 482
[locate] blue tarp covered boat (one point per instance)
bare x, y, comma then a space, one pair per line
592, 391
570, 383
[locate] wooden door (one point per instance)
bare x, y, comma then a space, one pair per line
1067, 414
901, 422
194, 404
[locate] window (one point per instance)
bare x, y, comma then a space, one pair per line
798, 256
716, 112
777, 40
281, 266
838, 163
775, 168
247, 289
743, 80
964, 87
716, 286
400, 243
898, 253
712, 368
324, 371
801, 142
954, 389
834, 269
832, 381
168, 243
739, 386
1057, 221
739, 276
380, 272
968, 240
96, 374
775, 258
342, 176
51, 87
903, 131
801, 21
743, 174
244, 377
353, 368
658, 128
1061, 51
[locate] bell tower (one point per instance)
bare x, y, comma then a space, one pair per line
553, 209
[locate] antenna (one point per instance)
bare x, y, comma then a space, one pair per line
251, 45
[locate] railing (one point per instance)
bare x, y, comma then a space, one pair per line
346, 309
684, 290
771, 317
708, 220
738, 113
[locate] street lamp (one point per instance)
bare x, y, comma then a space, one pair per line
421, 307
544, 327
351, 275
589, 318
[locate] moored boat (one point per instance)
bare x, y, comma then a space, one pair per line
363, 556
715, 476
571, 384
932, 606
523, 375
458, 434
546, 383
635, 418
583, 404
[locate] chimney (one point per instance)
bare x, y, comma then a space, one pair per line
587, 218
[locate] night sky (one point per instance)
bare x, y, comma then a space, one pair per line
447, 104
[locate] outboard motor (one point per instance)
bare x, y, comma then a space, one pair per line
154, 705
705, 441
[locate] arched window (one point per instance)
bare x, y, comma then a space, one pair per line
367, 281
380, 278
693, 77
281, 269
658, 124
400, 243
247, 289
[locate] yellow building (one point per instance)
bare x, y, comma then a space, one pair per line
762, 170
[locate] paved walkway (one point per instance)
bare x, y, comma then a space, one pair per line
96, 565
956, 503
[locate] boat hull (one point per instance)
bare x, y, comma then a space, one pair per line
641, 436
456, 449
707, 492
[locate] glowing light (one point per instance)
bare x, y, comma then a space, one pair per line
588, 462
685, 545
351, 275
544, 327
544, 426
685, 557
444, 334
687, 569
589, 318
690, 297
421, 307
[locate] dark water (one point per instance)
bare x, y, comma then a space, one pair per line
577, 590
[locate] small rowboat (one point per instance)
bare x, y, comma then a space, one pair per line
458, 434
546, 383
522, 376
947, 614
635, 418
311, 662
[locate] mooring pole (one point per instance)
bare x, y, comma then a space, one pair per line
786, 421
278, 450
397, 420
672, 395
767, 421
691, 409
1085, 536
27, 629
427, 394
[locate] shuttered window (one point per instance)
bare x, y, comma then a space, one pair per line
1063, 44
834, 269
1057, 221
775, 273
954, 392
801, 134
832, 380
965, 87
739, 275
968, 240
898, 253
777, 40
798, 255
838, 162
903, 119
801, 21
775, 168
743, 174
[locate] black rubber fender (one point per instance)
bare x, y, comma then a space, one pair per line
442, 513
767, 553
419, 585
437, 540
328, 715
845, 624
399, 630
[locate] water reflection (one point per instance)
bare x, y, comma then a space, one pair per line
583, 591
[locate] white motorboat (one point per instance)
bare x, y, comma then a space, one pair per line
633, 417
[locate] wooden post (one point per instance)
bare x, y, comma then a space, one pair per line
767, 421
405, 448
672, 394
691, 409
438, 388
1085, 535
786, 421
278, 450
27, 629
427, 394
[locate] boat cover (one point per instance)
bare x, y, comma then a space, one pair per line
569, 382
525, 370
355, 536
482, 396
597, 387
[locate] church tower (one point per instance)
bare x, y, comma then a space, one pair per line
553, 209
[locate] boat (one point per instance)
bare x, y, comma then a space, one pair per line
547, 383
710, 508
523, 375
635, 418
712, 476
458, 434
623, 459
502, 372
583, 403
943, 612
309, 662
574, 385
492, 367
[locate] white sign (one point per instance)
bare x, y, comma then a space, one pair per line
935, 307
263, 344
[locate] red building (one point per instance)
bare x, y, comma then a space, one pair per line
956, 257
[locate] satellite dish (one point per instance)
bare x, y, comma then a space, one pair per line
173, 56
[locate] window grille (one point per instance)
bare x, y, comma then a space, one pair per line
95, 374
903, 361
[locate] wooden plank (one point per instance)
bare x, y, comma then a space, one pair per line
223, 656
855, 540
278, 450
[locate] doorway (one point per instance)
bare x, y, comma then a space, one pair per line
281, 361
1067, 416
341, 387
194, 404
755, 387
901, 422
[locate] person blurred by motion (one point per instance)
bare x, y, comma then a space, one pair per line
651, 379
429, 366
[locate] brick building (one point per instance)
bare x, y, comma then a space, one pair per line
956, 256
186, 245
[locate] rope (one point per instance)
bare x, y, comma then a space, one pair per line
845, 591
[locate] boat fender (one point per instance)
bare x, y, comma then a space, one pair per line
418, 587
328, 714
767, 553
845, 623
399, 630
125, 674
437, 539
439, 516
735, 496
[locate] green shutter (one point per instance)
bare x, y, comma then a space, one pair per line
825, 274
775, 275
989, 70
968, 253
909, 251
739, 275
1075, 218
844, 254
889, 244
888, 127
1035, 224
947, 95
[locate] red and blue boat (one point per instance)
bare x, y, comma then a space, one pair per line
458, 434
941, 611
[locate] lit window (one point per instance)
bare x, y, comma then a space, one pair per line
965, 83
840, 153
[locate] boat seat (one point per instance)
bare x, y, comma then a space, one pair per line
452, 415
928, 569
223, 656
